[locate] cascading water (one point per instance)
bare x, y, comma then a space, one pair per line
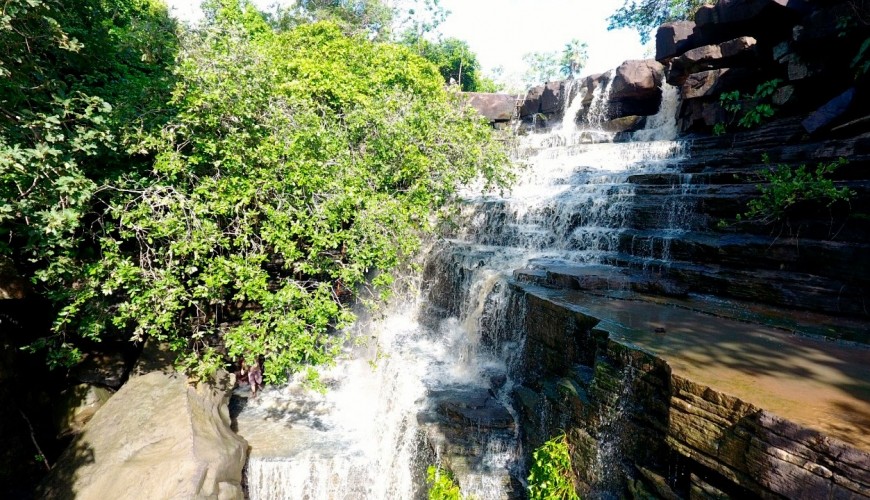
432, 384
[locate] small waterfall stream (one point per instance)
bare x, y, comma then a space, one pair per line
430, 381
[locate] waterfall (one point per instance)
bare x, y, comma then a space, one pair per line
663, 125
430, 380
600, 105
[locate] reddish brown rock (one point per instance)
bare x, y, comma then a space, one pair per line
494, 107
672, 39
637, 79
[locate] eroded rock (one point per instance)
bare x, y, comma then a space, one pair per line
158, 437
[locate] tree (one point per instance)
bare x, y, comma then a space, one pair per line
292, 172
645, 16
542, 67
454, 59
79, 79
574, 58
369, 18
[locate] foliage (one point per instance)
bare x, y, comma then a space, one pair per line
785, 187
368, 18
752, 115
551, 474
645, 16
574, 58
454, 60
542, 67
291, 170
441, 484
80, 78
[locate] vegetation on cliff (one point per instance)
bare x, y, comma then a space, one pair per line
644, 16
228, 192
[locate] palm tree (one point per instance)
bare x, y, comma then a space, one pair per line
574, 57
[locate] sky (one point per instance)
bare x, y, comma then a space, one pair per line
500, 32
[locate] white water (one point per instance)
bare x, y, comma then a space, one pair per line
372, 435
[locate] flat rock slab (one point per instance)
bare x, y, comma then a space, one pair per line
814, 383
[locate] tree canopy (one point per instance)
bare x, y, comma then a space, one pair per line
645, 16
229, 192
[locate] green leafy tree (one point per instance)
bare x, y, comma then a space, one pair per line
294, 170
645, 16
455, 61
80, 78
542, 67
369, 18
574, 58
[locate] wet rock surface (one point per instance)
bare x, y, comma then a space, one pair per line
740, 423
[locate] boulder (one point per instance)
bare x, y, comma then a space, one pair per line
625, 124
737, 52
108, 368
637, 79
828, 114
158, 437
77, 406
532, 103
672, 39
636, 89
713, 82
494, 107
551, 98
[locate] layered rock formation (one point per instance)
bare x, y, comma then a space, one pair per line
638, 424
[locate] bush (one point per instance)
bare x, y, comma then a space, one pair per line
441, 484
292, 170
551, 475
785, 187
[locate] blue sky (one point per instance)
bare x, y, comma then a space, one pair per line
501, 31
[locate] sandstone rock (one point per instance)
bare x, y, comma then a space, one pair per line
494, 107
77, 405
637, 79
672, 39
629, 123
636, 89
783, 96
780, 50
158, 437
827, 115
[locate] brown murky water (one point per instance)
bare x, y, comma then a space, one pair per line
821, 384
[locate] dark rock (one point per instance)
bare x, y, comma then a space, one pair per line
636, 89
714, 82
12, 285
800, 69
532, 103
737, 52
109, 368
494, 107
637, 79
672, 39
551, 98
827, 115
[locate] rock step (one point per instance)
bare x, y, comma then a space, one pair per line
690, 285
